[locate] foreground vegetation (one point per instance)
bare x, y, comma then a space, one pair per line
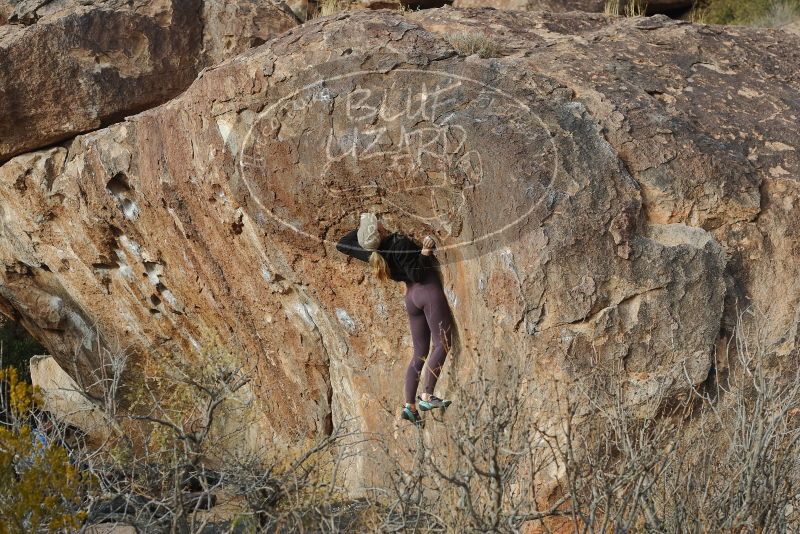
724, 457
17, 346
767, 13
40, 489
762, 13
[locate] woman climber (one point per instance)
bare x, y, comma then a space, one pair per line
395, 256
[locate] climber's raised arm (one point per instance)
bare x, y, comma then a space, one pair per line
349, 245
428, 244
414, 261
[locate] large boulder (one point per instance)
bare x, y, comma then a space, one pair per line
71, 66
230, 27
63, 398
607, 192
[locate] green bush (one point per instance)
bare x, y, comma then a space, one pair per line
17, 346
39, 487
745, 11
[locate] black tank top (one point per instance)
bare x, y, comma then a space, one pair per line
402, 254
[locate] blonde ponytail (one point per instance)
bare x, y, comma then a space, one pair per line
379, 266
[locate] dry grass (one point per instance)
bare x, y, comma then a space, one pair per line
330, 7
629, 8
469, 43
611, 7
322, 8
698, 14
780, 14
764, 13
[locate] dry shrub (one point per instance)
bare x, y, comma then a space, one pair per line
168, 459
723, 458
629, 8
469, 43
750, 12
780, 14
331, 7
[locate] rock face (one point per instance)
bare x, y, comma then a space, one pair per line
606, 192
115, 58
560, 6
62, 397
232, 27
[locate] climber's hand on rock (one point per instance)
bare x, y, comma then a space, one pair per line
428, 245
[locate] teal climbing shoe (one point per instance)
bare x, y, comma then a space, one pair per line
413, 416
432, 402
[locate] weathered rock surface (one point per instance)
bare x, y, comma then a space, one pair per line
561, 6
229, 28
62, 397
70, 66
607, 191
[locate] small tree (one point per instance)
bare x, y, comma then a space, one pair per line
39, 488
17, 346
177, 448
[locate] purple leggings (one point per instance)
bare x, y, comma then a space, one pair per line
428, 313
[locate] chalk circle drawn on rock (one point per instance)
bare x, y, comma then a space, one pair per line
425, 147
